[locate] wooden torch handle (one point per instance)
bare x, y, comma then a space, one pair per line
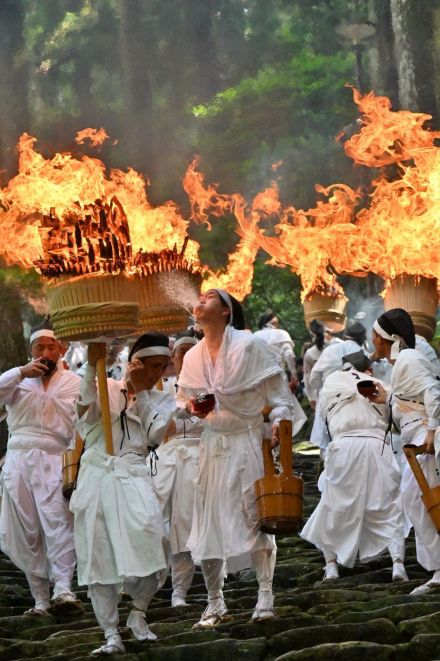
101, 374
410, 452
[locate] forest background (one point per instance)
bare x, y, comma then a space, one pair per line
242, 83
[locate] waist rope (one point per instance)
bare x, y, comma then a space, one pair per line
153, 461
123, 419
389, 430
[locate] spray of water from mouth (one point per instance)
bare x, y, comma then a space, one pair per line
179, 288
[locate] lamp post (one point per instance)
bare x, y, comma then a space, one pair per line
354, 35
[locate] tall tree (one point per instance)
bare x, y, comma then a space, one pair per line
13, 83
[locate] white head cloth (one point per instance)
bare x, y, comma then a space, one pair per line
394, 338
184, 340
43, 332
151, 351
226, 299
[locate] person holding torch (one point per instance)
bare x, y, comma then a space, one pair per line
119, 531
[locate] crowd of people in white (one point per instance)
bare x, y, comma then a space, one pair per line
187, 425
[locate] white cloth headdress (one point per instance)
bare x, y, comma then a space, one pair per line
151, 351
397, 340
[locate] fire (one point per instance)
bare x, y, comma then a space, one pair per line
310, 241
399, 229
63, 187
206, 202
96, 136
387, 136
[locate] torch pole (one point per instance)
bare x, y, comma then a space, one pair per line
101, 374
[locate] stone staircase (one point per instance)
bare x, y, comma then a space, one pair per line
361, 616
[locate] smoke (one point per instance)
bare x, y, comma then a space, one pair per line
364, 309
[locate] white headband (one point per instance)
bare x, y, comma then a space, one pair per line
151, 351
184, 340
395, 339
44, 332
226, 299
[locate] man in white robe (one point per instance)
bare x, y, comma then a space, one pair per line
119, 529
415, 402
360, 511
330, 361
174, 483
282, 345
36, 529
244, 377
280, 342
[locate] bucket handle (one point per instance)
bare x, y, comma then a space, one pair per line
269, 466
286, 447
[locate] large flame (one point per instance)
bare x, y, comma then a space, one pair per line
63, 183
387, 136
397, 233
315, 243
206, 202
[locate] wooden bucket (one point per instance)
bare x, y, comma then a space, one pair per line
418, 296
430, 496
279, 497
328, 309
71, 461
91, 306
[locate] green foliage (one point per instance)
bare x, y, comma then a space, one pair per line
17, 288
278, 290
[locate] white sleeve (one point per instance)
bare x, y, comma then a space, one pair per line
278, 398
8, 384
288, 356
315, 381
154, 422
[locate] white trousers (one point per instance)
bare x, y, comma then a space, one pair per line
36, 527
182, 573
214, 573
105, 599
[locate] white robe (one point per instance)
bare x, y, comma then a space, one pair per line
174, 483
328, 362
35, 524
282, 345
246, 378
360, 510
119, 530
416, 408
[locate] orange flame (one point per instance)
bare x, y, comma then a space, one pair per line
96, 136
399, 230
62, 183
205, 202
310, 241
387, 136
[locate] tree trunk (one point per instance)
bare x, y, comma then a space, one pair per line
412, 23
13, 350
139, 126
381, 57
13, 97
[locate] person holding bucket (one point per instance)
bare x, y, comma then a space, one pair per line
36, 527
120, 536
360, 511
226, 380
415, 404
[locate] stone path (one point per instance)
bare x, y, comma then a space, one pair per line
361, 616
